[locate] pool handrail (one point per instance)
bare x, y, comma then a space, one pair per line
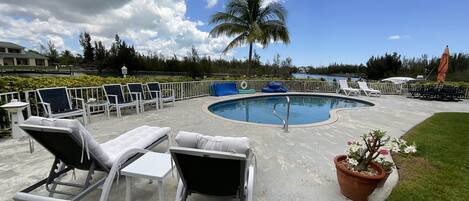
284, 121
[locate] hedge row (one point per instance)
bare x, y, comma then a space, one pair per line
12, 84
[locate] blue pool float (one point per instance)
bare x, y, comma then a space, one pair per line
274, 87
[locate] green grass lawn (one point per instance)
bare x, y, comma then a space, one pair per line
440, 168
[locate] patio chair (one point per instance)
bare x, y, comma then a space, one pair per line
57, 104
214, 166
368, 91
343, 86
74, 148
116, 99
137, 88
164, 95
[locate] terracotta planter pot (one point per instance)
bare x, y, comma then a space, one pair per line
383, 181
356, 186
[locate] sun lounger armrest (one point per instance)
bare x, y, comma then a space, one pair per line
48, 109
20, 196
114, 97
116, 167
82, 101
158, 93
137, 95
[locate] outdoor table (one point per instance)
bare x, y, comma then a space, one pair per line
15, 108
93, 104
153, 166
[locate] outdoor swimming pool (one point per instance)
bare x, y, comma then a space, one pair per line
304, 109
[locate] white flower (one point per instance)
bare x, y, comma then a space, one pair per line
410, 149
393, 146
352, 161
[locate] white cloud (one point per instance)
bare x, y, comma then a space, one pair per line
267, 2
211, 3
158, 26
394, 37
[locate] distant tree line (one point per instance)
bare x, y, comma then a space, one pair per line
95, 54
388, 65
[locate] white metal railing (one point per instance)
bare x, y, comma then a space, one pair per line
192, 89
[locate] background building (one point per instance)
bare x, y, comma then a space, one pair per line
15, 55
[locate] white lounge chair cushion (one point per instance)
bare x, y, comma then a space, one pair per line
215, 143
78, 130
110, 151
139, 138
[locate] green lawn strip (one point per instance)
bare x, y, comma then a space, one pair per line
440, 169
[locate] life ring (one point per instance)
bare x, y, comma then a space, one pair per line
244, 85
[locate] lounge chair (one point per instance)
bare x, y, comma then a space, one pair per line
75, 148
116, 99
56, 103
214, 166
137, 88
164, 95
368, 91
343, 86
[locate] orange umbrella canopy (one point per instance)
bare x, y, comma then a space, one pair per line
443, 65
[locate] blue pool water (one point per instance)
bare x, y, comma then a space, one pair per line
304, 109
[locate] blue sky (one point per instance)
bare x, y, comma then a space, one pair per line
321, 31
351, 31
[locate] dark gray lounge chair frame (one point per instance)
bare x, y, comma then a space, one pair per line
224, 174
60, 108
68, 157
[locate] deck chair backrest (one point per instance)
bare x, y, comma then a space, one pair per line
343, 84
152, 87
135, 88
210, 172
62, 138
116, 90
363, 85
57, 97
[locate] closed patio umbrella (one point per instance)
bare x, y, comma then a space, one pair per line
443, 67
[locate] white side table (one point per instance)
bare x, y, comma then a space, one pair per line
15, 108
152, 165
104, 104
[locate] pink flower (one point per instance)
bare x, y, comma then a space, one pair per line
349, 142
384, 152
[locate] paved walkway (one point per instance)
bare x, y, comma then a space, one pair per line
291, 166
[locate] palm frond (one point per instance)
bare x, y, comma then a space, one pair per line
273, 11
238, 41
221, 17
229, 29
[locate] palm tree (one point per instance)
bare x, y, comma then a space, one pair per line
249, 22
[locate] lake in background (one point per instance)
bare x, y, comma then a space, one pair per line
326, 77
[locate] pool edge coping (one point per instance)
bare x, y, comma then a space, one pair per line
334, 114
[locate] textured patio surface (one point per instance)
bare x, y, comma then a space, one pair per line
291, 166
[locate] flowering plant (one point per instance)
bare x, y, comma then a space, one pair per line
375, 147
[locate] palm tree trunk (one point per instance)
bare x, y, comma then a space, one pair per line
250, 59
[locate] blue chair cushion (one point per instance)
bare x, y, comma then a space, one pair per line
225, 89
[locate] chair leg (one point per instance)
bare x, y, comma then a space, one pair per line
181, 193
118, 110
85, 119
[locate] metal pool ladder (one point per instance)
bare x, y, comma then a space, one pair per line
284, 121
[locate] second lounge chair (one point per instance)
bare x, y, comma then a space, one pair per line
214, 166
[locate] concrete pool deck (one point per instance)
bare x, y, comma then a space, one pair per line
290, 166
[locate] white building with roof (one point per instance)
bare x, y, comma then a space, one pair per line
12, 54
